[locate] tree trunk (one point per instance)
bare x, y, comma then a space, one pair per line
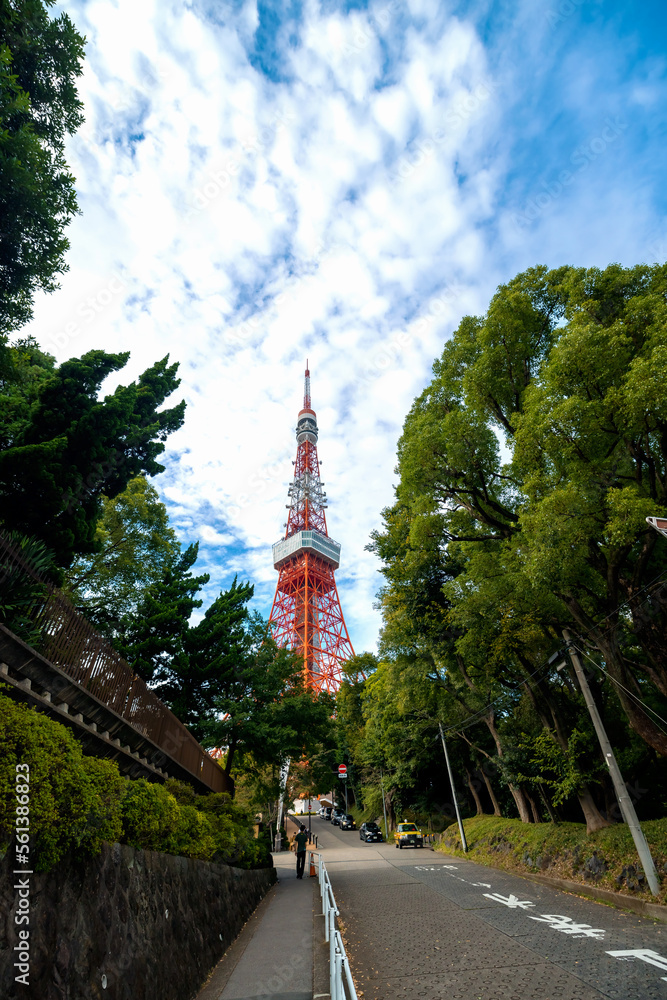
521, 803
517, 793
472, 785
492, 794
547, 804
594, 818
533, 808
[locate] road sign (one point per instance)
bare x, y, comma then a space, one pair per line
342, 770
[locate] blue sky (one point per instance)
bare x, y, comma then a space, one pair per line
264, 182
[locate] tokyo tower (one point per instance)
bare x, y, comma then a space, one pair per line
306, 614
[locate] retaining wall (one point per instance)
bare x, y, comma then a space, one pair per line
126, 925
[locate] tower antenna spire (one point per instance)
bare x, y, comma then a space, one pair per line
306, 388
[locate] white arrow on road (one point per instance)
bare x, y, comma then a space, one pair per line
644, 955
512, 901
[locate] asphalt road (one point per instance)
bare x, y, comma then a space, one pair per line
420, 924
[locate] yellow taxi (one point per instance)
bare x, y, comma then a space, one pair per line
408, 835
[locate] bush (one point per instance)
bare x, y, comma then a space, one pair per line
79, 802
73, 799
150, 815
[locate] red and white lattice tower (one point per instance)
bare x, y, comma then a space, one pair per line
306, 614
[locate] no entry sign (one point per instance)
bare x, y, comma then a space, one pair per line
342, 771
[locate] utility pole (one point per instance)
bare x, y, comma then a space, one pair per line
464, 842
624, 800
384, 807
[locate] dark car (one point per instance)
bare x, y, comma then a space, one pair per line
336, 817
347, 823
370, 832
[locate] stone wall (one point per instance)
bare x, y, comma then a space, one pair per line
126, 925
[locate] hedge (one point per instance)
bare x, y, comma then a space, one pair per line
78, 802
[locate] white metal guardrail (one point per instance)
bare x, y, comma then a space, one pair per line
341, 984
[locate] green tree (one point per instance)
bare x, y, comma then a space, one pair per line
137, 546
155, 639
214, 650
566, 366
40, 59
265, 714
68, 448
247, 694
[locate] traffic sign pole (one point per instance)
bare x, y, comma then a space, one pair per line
342, 774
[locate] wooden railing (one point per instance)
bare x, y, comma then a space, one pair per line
69, 641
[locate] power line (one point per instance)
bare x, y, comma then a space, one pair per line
630, 600
478, 716
627, 690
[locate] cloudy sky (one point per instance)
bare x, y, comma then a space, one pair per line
265, 182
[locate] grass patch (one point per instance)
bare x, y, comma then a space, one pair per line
606, 858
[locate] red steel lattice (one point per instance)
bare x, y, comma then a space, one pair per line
306, 615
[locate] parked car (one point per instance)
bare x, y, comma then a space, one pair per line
336, 817
408, 835
370, 832
327, 812
347, 822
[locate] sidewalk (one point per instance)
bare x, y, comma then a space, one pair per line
273, 954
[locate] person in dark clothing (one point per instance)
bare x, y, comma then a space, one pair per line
300, 842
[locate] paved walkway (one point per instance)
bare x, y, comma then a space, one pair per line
273, 955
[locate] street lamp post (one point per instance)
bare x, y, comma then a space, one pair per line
659, 523
310, 832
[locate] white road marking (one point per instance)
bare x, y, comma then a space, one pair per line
566, 925
512, 901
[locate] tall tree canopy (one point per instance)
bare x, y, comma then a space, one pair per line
40, 60
62, 448
527, 468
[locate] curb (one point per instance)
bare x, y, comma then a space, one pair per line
618, 899
656, 911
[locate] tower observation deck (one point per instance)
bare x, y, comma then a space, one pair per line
306, 614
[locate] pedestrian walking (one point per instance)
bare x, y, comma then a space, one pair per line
300, 842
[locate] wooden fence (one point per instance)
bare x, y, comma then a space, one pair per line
70, 642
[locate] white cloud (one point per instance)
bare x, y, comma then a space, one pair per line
351, 212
